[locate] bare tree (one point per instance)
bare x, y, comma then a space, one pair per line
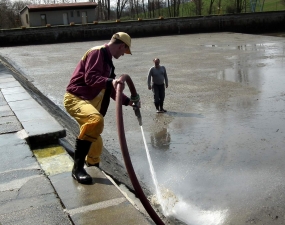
219, 6
211, 7
36, 2
173, 7
137, 7
198, 5
4, 10
157, 7
17, 7
107, 8
48, 2
177, 8
169, 8
121, 4
239, 6
100, 9
143, 8
9, 13
131, 8
149, 8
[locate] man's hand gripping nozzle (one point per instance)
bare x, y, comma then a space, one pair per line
136, 107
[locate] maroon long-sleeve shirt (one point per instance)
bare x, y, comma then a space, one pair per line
91, 75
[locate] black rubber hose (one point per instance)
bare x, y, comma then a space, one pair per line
124, 148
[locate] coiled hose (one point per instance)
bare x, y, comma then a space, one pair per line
124, 148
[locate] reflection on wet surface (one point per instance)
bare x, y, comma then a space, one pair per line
221, 160
218, 152
161, 139
245, 70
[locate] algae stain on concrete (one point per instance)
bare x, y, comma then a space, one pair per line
53, 160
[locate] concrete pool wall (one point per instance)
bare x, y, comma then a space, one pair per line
261, 22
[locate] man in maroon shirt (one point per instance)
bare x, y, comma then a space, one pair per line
87, 98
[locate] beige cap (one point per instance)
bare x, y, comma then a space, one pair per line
124, 37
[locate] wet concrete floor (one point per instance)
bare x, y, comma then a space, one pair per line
218, 153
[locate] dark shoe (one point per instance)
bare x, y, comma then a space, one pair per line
161, 107
78, 171
157, 107
81, 176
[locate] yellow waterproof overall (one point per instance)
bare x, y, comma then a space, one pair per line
91, 122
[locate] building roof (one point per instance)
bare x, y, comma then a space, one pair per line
62, 6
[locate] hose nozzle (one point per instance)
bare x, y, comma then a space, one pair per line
136, 108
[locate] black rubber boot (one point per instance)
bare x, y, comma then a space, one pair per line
78, 171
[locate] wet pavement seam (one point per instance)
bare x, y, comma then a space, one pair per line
96, 206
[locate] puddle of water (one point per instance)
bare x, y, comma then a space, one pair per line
246, 47
173, 206
254, 72
221, 160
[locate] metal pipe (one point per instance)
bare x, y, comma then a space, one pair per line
124, 148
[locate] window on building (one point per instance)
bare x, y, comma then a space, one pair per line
78, 13
27, 18
71, 14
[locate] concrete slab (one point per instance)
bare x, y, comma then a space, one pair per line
7, 79
9, 124
43, 131
15, 97
44, 214
2, 100
8, 195
24, 104
15, 154
36, 187
75, 195
16, 178
13, 90
43, 209
41, 128
8, 119
5, 75
24, 189
5, 110
33, 113
9, 84
10, 140
121, 213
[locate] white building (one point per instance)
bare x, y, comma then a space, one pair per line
58, 14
